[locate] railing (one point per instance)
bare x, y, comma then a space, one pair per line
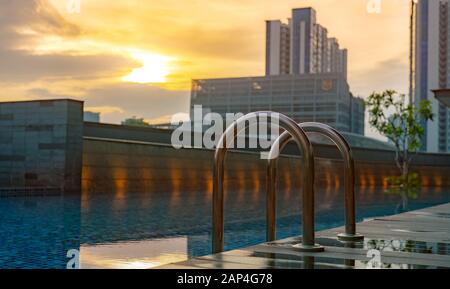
350, 234
294, 132
299, 136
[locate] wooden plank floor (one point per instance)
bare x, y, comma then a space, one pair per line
417, 239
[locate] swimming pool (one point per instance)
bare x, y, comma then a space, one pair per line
142, 230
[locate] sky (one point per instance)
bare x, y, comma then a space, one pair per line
137, 58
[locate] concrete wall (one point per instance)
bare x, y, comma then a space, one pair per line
121, 166
40, 146
128, 158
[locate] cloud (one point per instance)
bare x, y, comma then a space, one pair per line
20, 66
139, 100
23, 23
35, 17
209, 29
103, 110
165, 119
44, 94
125, 100
387, 74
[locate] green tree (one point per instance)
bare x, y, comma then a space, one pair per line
134, 121
400, 122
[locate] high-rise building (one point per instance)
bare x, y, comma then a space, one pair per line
302, 46
322, 54
277, 48
432, 69
303, 40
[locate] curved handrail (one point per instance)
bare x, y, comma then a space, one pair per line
349, 179
292, 129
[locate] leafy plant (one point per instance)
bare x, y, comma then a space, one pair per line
401, 123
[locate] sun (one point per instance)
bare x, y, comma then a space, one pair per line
154, 69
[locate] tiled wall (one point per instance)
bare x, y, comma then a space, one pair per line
40, 146
118, 167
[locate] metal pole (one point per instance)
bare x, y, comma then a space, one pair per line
412, 51
271, 203
350, 234
299, 136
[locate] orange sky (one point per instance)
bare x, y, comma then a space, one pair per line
49, 52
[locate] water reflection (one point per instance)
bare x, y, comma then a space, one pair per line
170, 214
37, 232
144, 254
385, 247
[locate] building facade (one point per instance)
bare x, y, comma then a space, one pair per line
432, 69
303, 97
91, 116
357, 116
277, 48
41, 146
302, 46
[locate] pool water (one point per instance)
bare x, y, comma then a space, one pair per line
144, 230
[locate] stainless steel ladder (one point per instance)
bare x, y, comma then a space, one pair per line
299, 136
350, 234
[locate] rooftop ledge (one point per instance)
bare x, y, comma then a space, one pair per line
443, 95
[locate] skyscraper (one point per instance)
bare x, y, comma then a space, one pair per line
433, 69
303, 40
302, 46
277, 48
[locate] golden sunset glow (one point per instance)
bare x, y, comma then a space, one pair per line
155, 69
144, 254
119, 56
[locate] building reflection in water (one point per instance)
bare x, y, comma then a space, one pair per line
143, 254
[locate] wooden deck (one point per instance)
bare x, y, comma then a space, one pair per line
417, 239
